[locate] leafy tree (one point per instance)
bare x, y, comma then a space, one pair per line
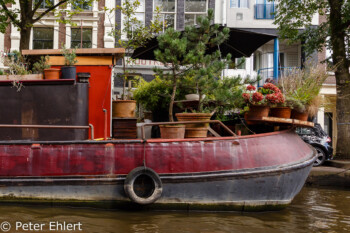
31, 11
135, 31
334, 34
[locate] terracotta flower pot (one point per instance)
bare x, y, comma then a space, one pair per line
280, 112
172, 131
197, 130
52, 73
258, 111
124, 108
302, 116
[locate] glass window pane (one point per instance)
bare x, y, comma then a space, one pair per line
189, 20
165, 5
169, 20
243, 4
76, 38
86, 5
42, 38
141, 8
196, 6
234, 3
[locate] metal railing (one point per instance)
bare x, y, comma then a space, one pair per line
188, 122
266, 73
51, 127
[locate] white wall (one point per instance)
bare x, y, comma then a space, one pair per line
1, 49
248, 17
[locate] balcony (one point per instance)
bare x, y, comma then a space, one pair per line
265, 11
267, 73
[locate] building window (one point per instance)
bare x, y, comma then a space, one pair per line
45, 3
42, 38
86, 36
194, 9
86, 5
140, 17
168, 12
264, 9
239, 4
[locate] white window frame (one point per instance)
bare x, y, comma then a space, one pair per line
163, 13
239, 4
138, 11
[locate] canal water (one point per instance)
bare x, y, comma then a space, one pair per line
313, 210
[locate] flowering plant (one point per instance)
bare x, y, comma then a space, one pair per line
269, 94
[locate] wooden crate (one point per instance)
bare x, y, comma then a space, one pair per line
124, 128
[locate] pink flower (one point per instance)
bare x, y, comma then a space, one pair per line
251, 88
257, 97
246, 97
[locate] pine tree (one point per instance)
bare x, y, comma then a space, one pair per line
206, 66
187, 54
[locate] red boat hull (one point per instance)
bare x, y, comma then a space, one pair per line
259, 172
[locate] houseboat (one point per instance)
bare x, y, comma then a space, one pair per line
49, 153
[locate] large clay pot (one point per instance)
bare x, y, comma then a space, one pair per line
280, 112
172, 131
52, 73
197, 130
258, 111
302, 116
124, 108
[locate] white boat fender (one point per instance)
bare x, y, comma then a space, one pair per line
143, 186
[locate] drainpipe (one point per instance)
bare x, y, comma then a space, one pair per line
275, 59
223, 13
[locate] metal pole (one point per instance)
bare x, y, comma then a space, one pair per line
81, 33
275, 59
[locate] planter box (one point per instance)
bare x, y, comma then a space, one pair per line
21, 77
124, 128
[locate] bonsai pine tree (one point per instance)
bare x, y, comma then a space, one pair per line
188, 55
206, 66
173, 53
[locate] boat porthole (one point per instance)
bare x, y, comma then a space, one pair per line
143, 186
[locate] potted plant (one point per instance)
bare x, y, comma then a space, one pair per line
17, 69
205, 68
69, 70
42, 67
301, 88
260, 100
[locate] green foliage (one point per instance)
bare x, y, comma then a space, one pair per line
135, 31
154, 95
41, 65
187, 60
16, 63
301, 87
69, 56
292, 15
206, 67
29, 12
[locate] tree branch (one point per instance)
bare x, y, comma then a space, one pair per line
9, 14
49, 9
37, 5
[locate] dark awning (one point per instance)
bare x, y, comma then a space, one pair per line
241, 43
